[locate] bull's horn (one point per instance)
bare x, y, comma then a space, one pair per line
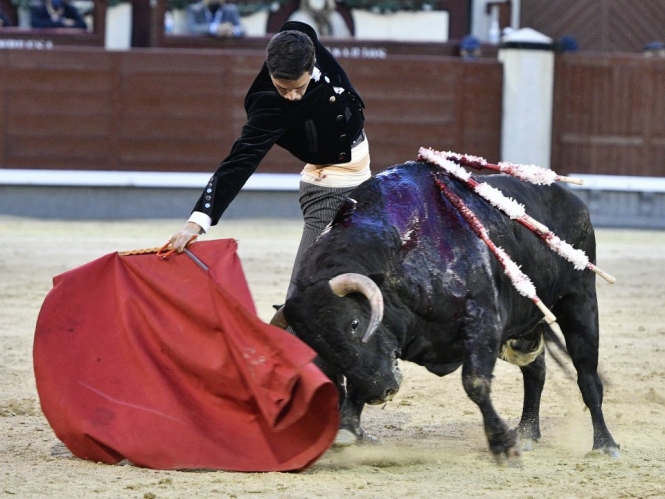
344, 284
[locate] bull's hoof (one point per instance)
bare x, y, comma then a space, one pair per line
612, 452
529, 430
347, 438
527, 444
367, 439
507, 448
512, 458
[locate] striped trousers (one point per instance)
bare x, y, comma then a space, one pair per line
318, 205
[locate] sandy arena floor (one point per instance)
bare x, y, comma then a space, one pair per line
434, 445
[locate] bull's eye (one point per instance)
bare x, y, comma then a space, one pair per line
354, 325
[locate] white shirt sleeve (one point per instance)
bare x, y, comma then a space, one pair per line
203, 220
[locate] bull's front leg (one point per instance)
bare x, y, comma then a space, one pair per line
481, 343
350, 409
350, 430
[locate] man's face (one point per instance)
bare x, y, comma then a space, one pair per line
292, 89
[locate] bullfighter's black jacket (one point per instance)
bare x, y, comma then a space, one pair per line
317, 129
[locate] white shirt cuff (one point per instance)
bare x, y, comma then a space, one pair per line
201, 219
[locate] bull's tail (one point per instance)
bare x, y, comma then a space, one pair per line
551, 341
555, 347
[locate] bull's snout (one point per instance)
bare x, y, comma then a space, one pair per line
390, 393
387, 396
391, 388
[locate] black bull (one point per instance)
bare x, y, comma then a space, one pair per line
447, 302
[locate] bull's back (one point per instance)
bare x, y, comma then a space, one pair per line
414, 188
414, 192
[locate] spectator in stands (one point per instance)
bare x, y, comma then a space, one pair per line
56, 14
469, 47
654, 49
322, 15
567, 43
214, 17
4, 19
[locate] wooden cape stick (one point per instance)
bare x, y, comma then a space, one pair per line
514, 210
141, 251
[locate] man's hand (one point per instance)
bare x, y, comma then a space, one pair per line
225, 30
181, 239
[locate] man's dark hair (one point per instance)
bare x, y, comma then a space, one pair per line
290, 54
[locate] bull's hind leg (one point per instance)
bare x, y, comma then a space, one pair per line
534, 381
577, 314
529, 355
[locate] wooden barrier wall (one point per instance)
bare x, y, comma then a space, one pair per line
180, 110
597, 25
609, 114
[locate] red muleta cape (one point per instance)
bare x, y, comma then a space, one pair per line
167, 365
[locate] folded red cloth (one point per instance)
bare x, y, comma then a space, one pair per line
167, 365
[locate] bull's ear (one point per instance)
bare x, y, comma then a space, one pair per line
377, 278
345, 210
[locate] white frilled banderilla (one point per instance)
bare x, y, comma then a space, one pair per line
452, 164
